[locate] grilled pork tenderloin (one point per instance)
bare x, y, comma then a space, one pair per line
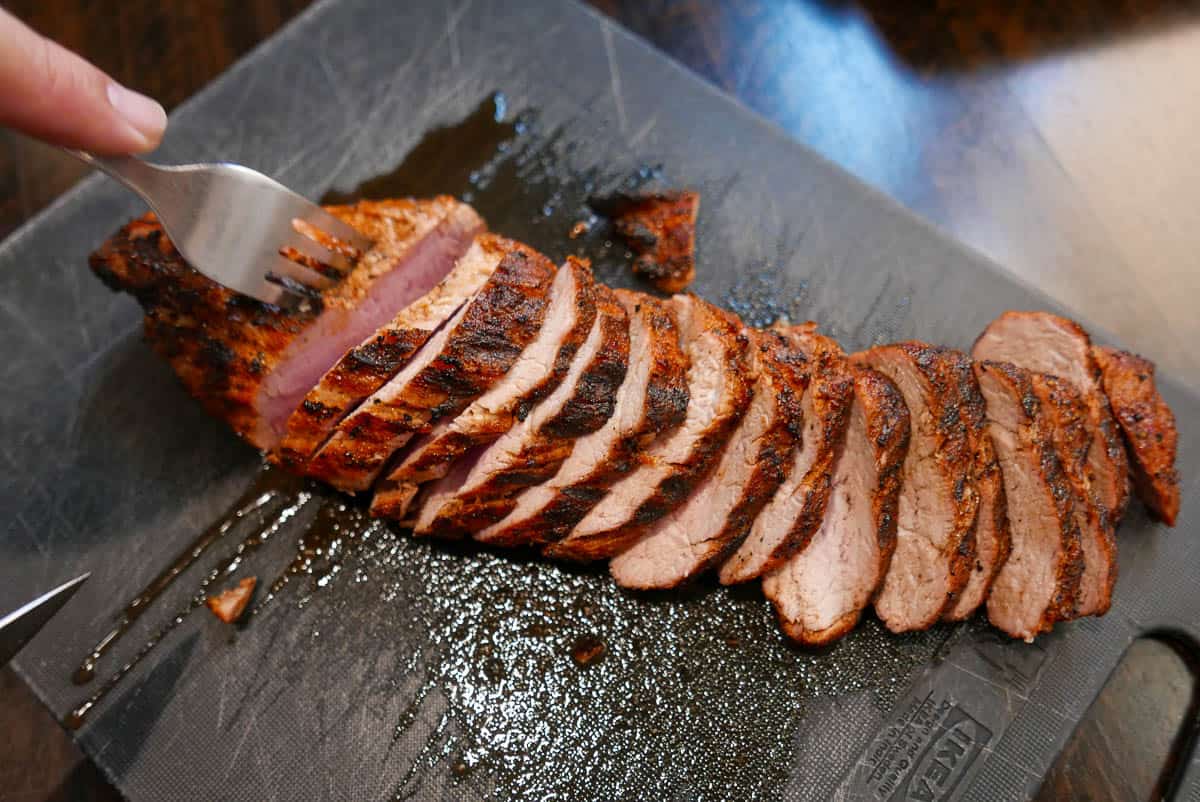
368, 366
1046, 343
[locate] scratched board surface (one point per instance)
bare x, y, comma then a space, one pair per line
404, 669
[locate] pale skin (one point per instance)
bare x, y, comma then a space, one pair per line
51, 94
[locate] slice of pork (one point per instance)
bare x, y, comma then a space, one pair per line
367, 367
536, 373
992, 537
651, 401
250, 364
719, 513
1066, 416
661, 229
1046, 343
788, 521
533, 450
460, 363
939, 502
1149, 428
1038, 583
719, 388
820, 593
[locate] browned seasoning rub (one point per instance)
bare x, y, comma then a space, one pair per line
661, 230
1149, 427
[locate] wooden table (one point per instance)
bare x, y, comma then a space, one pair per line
1058, 138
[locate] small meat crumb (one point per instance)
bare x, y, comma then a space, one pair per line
587, 649
661, 230
231, 603
579, 229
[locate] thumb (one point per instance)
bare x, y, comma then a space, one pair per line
52, 94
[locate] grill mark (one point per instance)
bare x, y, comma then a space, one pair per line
223, 345
436, 457
499, 322
664, 408
833, 388
1148, 427
591, 405
783, 377
1066, 426
1069, 569
672, 491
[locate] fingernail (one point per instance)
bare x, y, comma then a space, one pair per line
146, 116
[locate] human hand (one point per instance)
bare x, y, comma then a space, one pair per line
49, 93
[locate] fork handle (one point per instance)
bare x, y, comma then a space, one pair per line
142, 177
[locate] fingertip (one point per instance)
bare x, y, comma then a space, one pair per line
145, 117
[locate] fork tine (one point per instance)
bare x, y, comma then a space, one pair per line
319, 218
317, 252
204, 209
265, 291
286, 268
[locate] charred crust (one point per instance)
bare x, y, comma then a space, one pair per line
502, 318
1069, 568
832, 387
1148, 427
589, 408
435, 457
951, 396
889, 430
661, 230
675, 488
1066, 423
220, 344
596, 395
667, 391
318, 410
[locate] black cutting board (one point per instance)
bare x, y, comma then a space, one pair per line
423, 671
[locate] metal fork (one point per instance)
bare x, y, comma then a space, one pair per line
235, 225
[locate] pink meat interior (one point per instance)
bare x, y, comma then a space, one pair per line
337, 330
442, 490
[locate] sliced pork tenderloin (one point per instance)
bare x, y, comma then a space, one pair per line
992, 537
1046, 343
454, 367
1149, 428
1038, 583
939, 502
786, 524
1066, 422
533, 450
720, 511
651, 402
250, 364
367, 367
719, 389
536, 373
819, 594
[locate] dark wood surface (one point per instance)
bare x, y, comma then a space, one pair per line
1058, 138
